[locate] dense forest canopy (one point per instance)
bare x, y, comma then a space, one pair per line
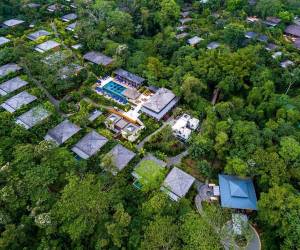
51, 200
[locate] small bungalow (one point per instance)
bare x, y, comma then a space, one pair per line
128, 78
158, 105
9, 68
98, 58
182, 28
89, 145
237, 193
272, 21
287, 63
185, 20
293, 30
33, 5
16, 102
181, 35
150, 170
194, 40
69, 17
120, 157
94, 115
262, 38
12, 23
32, 117
71, 27
11, 85
38, 34
4, 40
271, 46
177, 184
277, 54
213, 45
297, 43
62, 132
76, 46
184, 14
251, 35
53, 7
47, 46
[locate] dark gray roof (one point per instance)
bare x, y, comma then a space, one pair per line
194, 40
121, 156
16, 102
46, 46
262, 38
69, 17
9, 68
185, 20
129, 76
213, 45
297, 43
178, 182
271, 46
36, 35
160, 103
131, 93
94, 115
32, 117
181, 35
98, 58
293, 30
12, 85
89, 145
62, 132
272, 21
251, 34
4, 40
13, 22
71, 27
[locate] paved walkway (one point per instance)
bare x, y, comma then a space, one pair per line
177, 159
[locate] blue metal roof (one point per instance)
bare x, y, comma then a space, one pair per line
237, 193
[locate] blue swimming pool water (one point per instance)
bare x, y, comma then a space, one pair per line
115, 90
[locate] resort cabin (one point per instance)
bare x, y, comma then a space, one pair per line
62, 132
120, 158
9, 68
262, 38
33, 5
194, 40
47, 46
94, 115
184, 126
69, 17
89, 145
177, 184
11, 85
12, 23
182, 28
76, 46
32, 117
98, 58
272, 21
38, 34
293, 31
185, 20
271, 46
277, 54
128, 78
53, 7
4, 40
160, 104
71, 27
181, 35
287, 63
213, 45
252, 19
18, 101
150, 169
121, 123
237, 193
184, 14
251, 35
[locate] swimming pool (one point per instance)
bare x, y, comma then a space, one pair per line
115, 90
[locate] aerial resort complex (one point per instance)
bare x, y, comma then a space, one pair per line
150, 125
